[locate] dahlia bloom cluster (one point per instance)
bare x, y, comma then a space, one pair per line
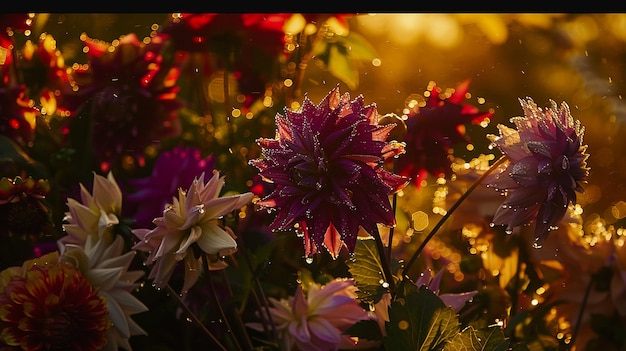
119, 230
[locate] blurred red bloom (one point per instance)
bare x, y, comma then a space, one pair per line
433, 130
132, 97
18, 115
44, 72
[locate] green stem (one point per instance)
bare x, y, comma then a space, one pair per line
190, 313
449, 213
582, 309
384, 262
393, 208
205, 262
193, 317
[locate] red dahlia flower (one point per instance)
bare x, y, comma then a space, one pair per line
45, 74
433, 130
327, 164
46, 305
133, 97
546, 165
18, 115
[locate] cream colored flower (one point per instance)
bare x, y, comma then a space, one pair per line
96, 213
315, 321
192, 218
106, 268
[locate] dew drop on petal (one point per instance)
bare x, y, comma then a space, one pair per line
309, 260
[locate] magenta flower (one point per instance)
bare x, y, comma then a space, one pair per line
327, 164
546, 165
433, 130
155, 191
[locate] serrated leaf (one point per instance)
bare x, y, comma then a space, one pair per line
366, 269
342, 66
420, 321
470, 339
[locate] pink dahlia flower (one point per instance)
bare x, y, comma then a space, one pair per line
191, 220
327, 165
546, 165
316, 320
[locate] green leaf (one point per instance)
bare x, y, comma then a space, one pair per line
470, 339
358, 47
366, 269
342, 66
420, 321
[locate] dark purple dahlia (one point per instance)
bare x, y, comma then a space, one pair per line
546, 165
433, 130
327, 165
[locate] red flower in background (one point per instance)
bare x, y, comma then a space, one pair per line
9, 23
132, 97
18, 115
246, 45
433, 130
44, 72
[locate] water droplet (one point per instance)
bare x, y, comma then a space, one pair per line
492, 224
537, 245
309, 260
509, 231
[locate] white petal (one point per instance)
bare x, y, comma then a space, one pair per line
215, 239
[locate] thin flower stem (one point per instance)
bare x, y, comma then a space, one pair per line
189, 312
582, 309
205, 262
393, 208
384, 262
242, 327
449, 213
193, 317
